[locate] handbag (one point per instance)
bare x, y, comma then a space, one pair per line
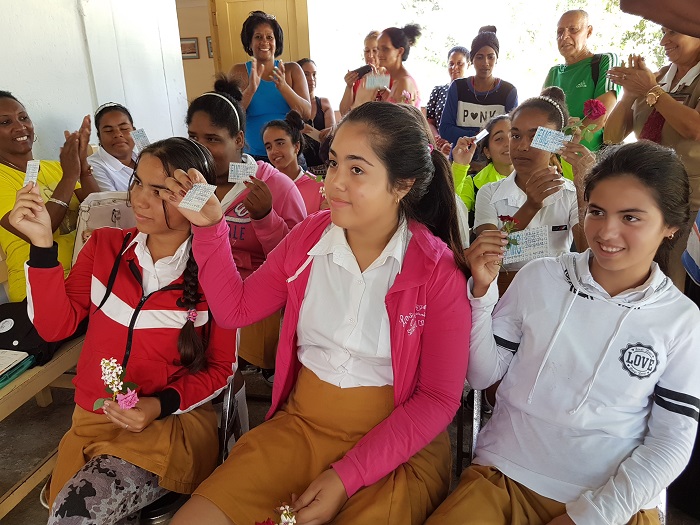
18, 333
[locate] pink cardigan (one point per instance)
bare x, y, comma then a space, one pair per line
430, 321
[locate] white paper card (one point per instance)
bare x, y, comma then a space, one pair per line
32, 173
140, 139
377, 81
197, 197
481, 135
533, 243
549, 139
10, 358
241, 171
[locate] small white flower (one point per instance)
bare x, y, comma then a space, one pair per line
287, 517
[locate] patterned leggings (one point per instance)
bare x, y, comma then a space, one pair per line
106, 491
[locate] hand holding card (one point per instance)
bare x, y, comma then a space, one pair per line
242, 171
550, 140
377, 81
32, 173
179, 186
140, 139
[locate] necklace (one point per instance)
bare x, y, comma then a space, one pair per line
493, 85
8, 163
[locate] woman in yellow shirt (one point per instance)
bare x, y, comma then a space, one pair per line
62, 184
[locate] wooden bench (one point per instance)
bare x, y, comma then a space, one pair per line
36, 382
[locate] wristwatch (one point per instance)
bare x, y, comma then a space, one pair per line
653, 96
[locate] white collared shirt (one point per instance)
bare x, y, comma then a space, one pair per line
164, 271
109, 172
687, 79
559, 212
343, 331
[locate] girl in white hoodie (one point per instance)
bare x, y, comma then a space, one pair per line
599, 357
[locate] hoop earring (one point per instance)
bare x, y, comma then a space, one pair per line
36, 137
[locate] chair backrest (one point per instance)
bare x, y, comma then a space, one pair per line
105, 208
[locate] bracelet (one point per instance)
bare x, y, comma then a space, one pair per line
56, 201
88, 171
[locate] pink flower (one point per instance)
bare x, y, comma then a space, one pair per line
128, 400
593, 109
406, 96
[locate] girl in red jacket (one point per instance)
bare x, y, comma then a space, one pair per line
140, 291
374, 343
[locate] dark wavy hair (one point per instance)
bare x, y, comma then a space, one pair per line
7, 94
108, 108
661, 171
292, 124
221, 105
399, 135
552, 102
405, 37
182, 153
255, 19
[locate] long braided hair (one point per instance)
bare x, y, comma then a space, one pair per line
182, 153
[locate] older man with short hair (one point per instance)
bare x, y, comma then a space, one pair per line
583, 75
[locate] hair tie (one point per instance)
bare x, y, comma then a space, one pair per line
192, 315
556, 105
235, 112
430, 147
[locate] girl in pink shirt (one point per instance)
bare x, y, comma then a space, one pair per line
283, 140
384, 268
259, 212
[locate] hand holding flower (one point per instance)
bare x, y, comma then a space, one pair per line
484, 258
133, 419
322, 500
593, 110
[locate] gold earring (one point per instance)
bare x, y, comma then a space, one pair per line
397, 199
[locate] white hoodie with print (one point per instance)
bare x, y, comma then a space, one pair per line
599, 400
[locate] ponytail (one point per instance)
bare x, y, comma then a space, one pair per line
437, 209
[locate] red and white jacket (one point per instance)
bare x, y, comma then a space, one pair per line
147, 327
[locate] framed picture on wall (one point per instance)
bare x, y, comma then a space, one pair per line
189, 47
210, 49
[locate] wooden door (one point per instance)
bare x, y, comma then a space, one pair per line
227, 17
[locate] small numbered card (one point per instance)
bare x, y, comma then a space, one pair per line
32, 173
532, 243
376, 81
197, 197
481, 135
549, 139
140, 139
242, 171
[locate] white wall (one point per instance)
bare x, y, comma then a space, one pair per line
63, 58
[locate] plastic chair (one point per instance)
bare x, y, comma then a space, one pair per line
164, 508
461, 452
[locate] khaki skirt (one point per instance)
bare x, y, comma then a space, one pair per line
485, 495
316, 427
258, 341
182, 450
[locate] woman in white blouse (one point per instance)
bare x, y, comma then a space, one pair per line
115, 160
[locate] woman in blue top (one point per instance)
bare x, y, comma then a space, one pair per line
270, 87
473, 101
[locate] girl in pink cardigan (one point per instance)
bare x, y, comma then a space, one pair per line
374, 345
283, 140
259, 213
